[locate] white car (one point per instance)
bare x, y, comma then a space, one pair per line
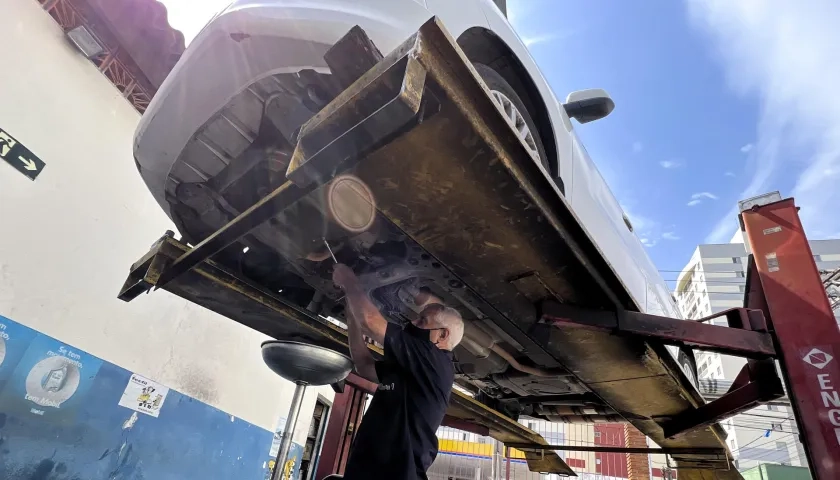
218, 135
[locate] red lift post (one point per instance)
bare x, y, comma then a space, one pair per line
786, 318
345, 417
805, 330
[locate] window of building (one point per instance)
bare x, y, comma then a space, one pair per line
464, 437
817, 258
742, 288
720, 372
777, 427
739, 274
781, 446
597, 434
772, 408
736, 259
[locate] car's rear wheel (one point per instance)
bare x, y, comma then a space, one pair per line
687, 365
514, 111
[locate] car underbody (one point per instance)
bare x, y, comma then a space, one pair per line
243, 152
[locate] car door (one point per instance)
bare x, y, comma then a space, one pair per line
607, 224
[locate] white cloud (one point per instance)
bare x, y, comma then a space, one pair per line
670, 164
557, 35
729, 174
637, 147
747, 148
783, 54
649, 230
701, 195
694, 202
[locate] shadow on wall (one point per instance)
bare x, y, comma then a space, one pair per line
67, 415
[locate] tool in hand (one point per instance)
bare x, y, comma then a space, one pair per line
329, 249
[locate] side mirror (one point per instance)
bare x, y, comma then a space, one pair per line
589, 105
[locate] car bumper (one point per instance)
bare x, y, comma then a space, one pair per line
246, 42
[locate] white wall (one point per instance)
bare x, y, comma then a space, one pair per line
68, 238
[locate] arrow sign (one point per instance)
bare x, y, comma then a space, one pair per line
29, 164
19, 157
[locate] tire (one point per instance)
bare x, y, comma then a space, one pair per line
497, 83
688, 366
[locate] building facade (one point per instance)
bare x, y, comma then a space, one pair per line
73, 357
713, 281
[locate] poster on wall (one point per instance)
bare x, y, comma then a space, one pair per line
50, 380
291, 467
144, 395
277, 438
14, 341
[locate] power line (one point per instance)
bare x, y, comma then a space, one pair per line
762, 444
766, 416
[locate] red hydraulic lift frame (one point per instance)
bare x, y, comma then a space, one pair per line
786, 318
345, 417
805, 330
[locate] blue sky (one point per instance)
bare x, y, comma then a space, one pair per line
716, 101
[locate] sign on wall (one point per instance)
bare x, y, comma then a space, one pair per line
41, 376
144, 395
19, 157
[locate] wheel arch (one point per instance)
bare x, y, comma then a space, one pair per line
483, 46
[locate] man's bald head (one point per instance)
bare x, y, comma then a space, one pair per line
442, 318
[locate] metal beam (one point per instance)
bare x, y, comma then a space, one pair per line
726, 340
212, 286
713, 452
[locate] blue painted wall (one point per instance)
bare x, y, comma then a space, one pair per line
90, 437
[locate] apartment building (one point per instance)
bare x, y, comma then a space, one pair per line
713, 281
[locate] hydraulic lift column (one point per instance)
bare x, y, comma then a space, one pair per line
806, 332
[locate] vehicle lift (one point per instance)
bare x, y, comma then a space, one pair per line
419, 128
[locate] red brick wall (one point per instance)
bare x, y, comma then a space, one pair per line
637, 464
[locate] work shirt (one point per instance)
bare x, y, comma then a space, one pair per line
396, 440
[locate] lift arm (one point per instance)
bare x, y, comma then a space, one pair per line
421, 130
215, 288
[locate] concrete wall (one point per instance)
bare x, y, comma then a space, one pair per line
69, 237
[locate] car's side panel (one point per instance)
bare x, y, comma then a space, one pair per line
458, 16
560, 121
603, 218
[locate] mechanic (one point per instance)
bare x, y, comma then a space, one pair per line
396, 439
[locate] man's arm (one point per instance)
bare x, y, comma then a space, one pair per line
359, 352
372, 323
363, 318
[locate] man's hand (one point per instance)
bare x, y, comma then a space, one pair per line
344, 277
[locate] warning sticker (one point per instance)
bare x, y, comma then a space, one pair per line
768, 231
772, 262
143, 395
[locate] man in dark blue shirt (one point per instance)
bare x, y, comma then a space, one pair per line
396, 440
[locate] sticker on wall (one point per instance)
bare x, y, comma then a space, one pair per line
277, 439
291, 466
14, 341
19, 157
144, 395
50, 380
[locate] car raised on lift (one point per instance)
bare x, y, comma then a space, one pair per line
219, 134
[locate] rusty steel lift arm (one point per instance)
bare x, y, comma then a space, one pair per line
444, 166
